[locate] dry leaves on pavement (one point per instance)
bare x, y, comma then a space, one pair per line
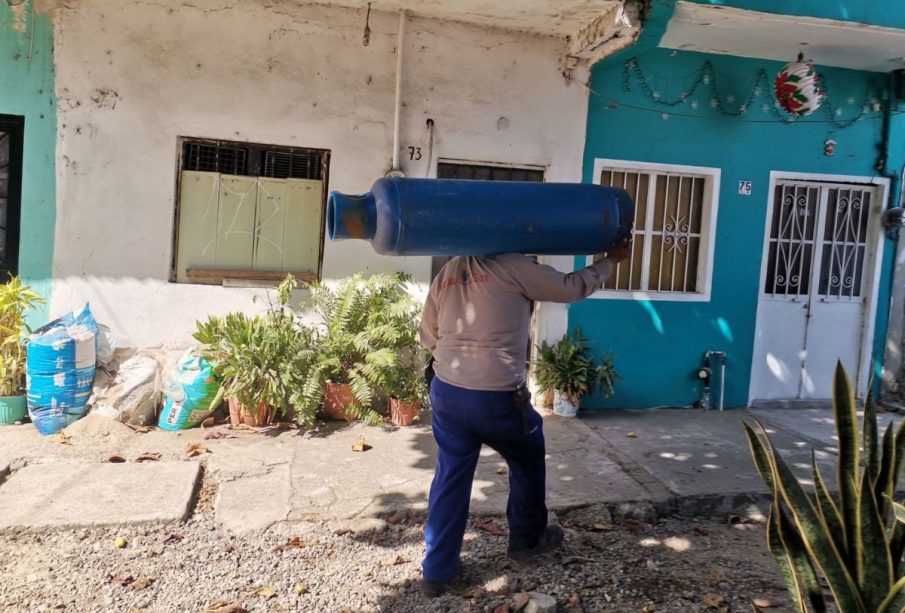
224, 606
489, 526
148, 456
265, 592
140, 429
394, 561
195, 449
217, 434
360, 444
295, 542
62, 438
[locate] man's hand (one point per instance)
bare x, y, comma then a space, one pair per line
620, 252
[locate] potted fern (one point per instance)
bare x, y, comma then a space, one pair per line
15, 300
363, 328
406, 387
566, 368
260, 360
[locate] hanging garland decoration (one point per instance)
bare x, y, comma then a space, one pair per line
705, 81
797, 88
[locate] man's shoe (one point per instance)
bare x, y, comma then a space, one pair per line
433, 589
549, 541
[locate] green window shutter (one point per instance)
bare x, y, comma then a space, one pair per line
236, 222
303, 226
269, 223
199, 206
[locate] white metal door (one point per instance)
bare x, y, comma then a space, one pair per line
811, 309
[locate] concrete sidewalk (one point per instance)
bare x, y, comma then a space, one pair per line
633, 462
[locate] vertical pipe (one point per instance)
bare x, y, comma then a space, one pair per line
400, 43
722, 381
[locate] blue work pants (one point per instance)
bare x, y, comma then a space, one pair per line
462, 421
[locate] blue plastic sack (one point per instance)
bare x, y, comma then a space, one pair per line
192, 396
59, 370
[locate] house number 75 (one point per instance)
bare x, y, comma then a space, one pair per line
415, 153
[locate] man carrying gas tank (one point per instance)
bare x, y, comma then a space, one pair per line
476, 326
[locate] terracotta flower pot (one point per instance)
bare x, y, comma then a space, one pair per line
338, 396
403, 413
239, 414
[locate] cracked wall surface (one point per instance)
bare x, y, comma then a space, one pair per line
135, 76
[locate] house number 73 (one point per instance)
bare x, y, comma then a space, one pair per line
415, 153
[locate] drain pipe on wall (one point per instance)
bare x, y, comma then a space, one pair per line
396, 171
892, 216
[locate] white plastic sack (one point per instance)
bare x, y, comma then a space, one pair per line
134, 395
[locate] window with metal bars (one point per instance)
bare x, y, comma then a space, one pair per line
675, 209
248, 212
253, 159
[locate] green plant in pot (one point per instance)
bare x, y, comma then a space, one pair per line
363, 328
567, 368
406, 387
259, 359
15, 300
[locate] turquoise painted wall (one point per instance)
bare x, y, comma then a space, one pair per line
659, 344
27, 89
886, 13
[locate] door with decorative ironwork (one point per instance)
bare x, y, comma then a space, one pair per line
811, 312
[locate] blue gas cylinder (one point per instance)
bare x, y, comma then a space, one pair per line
452, 217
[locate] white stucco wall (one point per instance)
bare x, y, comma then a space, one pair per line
132, 77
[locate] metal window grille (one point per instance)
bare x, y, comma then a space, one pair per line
294, 164
668, 241
214, 157
450, 170
812, 220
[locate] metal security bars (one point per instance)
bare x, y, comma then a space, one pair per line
669, 231
810, 220
844, 243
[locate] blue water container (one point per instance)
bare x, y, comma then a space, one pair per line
450, 217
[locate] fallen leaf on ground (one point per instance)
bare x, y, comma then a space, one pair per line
489, 526
195, 449
265, 592
631, 435
501, 470
120, 542
575, 601
240, 427
600, 527
116, 459
207, 423
120, 580
148, 456
223, 606
300, 589
141, 583
360, 444
503, 608
295, 542
140, 429
647, 609
766, 603
575, 560
62, 438
217, 434
521, 601
172, 538
394, 561
713, 600
636, 527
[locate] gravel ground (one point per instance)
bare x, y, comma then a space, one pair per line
605, 565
